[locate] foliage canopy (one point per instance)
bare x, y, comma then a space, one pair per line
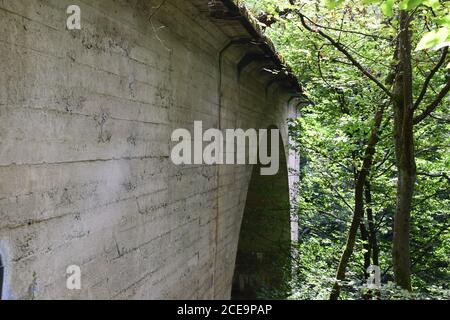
332, 135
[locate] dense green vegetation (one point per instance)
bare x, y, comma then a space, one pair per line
374, 139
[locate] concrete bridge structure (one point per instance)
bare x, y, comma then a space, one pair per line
86, 178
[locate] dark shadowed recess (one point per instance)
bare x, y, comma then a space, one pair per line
1, 277
262, 268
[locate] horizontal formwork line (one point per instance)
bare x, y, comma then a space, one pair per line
27, 18
28, 223
85, 115
40, 164
159, 237
88, 66
63, 30
132, 27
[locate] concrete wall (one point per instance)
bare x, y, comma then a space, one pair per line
85, 174
263, 261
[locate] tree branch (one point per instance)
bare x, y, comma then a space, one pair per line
434, 175
339, 47
430, 76
433, 105
341, 29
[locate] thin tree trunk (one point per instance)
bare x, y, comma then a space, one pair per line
373, 242
404, 149
359, 203
365, 237
372, 232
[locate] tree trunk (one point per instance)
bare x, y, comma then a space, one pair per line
404, 149
372, 231
365, 237
359, 203
373, 242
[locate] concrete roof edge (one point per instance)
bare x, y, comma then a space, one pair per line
249, 22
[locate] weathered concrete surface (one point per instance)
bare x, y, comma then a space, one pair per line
263, 261
85, 124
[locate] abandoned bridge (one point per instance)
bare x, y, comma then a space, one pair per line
86, 178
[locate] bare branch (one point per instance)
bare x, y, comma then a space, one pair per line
430, 76
341, 30
433, 105
339, 47
434, 175
440, 119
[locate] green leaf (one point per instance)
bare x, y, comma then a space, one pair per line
444, 22
332, 4
432, 3
410, 4
433, 38
388, 8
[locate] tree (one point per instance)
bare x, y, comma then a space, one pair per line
394, 35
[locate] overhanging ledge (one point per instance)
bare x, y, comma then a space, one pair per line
237, 22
